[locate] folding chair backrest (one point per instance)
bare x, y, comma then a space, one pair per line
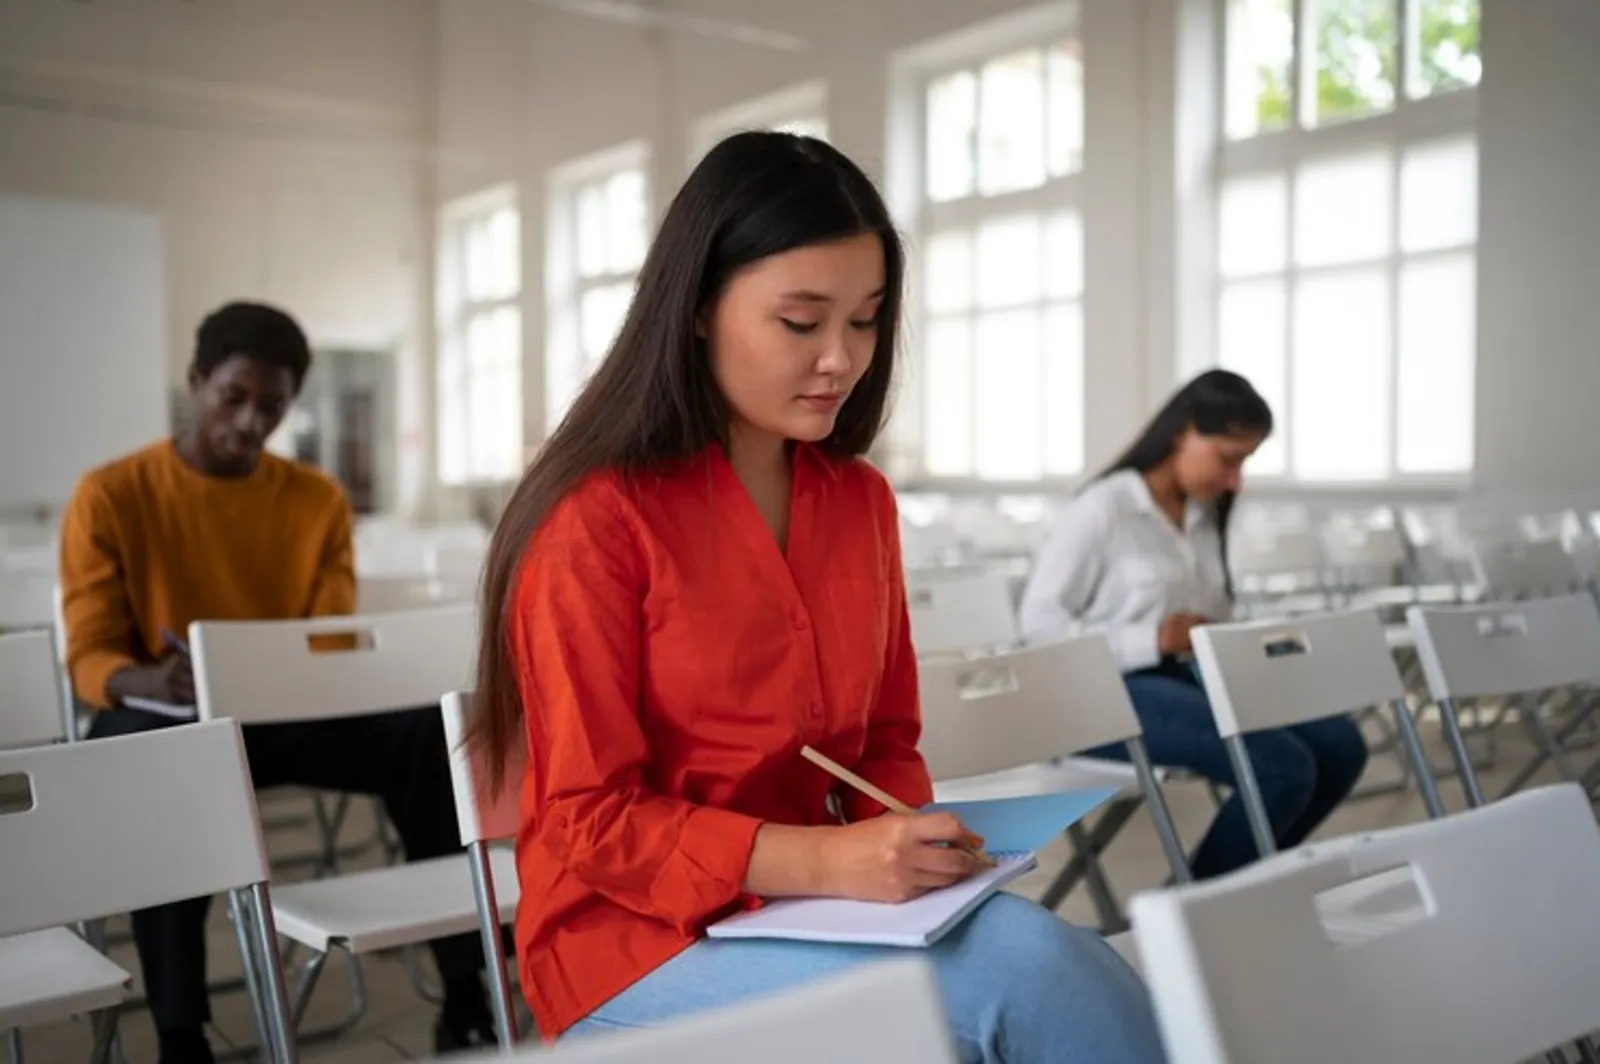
25, 597
111, 826
482, 815
956, 612
1273, 673
1243, 970
988, 714
1507, 648
882, 1013
273, 671
30, 695
391, 594
1281, 552
1523, 569
1352, 545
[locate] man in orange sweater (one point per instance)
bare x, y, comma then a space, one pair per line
209, 526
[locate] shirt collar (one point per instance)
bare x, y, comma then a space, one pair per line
1134, 486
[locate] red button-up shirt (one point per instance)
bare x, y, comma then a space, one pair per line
672, 661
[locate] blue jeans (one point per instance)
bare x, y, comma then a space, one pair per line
1305, 770
1019, 985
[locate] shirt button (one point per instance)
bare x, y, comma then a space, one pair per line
800, 622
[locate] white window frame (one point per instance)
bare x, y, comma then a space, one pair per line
455, 313
1411, 123
564, 285
904, 451
804, 105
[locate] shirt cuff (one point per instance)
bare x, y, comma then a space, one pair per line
714, 862
92, 672
1137, 646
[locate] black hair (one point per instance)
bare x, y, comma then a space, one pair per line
1216, 403
653, 401
256, 331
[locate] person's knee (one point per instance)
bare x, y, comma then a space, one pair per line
1286, 771
1341, 751
110, 723
1044, 955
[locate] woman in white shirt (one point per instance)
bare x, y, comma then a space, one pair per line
1139, 555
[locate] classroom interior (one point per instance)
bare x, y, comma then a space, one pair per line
1381, 212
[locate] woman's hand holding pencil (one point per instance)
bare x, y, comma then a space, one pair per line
898, 857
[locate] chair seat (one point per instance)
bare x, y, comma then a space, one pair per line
1399, 637
390, 907
1071, 773
1127, 948
51, 975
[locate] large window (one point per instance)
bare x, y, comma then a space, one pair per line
997, 265
1346, 232
599, 233
802, 109
480, 340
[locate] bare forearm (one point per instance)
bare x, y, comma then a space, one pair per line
788, 862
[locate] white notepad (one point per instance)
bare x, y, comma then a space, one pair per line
920, 922
166, 709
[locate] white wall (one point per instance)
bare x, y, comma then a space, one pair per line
285, 145
523, 90
1539, 270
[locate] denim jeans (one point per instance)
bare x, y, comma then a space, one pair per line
1305, 770
1019, 985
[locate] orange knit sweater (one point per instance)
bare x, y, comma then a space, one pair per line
148, 543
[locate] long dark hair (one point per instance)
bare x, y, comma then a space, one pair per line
653, 401
1216, 403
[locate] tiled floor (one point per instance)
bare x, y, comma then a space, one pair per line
398, 1024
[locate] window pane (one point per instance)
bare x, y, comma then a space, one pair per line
484, 432
1447, 54
1010, 430
1252, 334
1011, 123
591, 230
947, 439
1260, 49
505, 411
600, 314
1009, 261
1063, 255
1439, 195
1063, 390
493, 256
1252, 223
1357, 57
627, 227
1064, 143
1438, 330
1340, 421
949, 272
952, 122
1342, 209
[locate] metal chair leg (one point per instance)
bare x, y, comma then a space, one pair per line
494, 956
14, 1045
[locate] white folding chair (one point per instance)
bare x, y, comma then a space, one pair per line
485, 818
1280, 569
1516, 649
1005, 725
1277, 673
30, 698
265, 672
885, 1012
960, 611
1519, 570
1496, 966
94, 829
25, 597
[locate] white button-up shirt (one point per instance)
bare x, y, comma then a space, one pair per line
1115, 563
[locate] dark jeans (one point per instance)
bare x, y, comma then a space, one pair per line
1305, 771
399, 756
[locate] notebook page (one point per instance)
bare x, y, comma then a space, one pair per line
920, 922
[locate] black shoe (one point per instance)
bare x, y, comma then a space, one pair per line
451, 1037
188, 1046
